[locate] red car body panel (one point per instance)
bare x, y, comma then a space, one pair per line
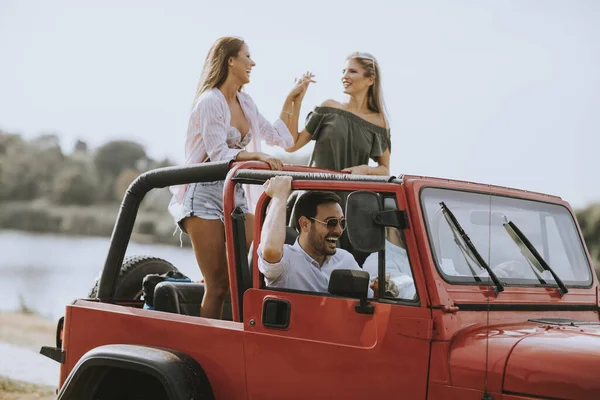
446, 345
216, 345
341, 353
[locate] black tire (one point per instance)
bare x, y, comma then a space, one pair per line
133, 271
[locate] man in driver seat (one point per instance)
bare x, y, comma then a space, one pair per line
308, 263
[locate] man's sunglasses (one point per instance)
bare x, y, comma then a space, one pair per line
332, 223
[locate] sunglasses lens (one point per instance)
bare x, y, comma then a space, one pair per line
333, 223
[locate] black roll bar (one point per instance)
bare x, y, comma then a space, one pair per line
157, 178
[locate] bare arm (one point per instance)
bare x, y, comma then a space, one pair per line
383, 167
301, 141
284, 131
273, 230
305, 136
290, 112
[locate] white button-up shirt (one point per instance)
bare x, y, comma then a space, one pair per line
299, 271
211, 136
397, 265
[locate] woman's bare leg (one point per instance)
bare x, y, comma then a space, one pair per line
249, 228
208, 241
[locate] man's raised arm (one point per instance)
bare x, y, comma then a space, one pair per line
273, 230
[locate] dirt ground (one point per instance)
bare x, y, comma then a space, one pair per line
32, 331
28, 330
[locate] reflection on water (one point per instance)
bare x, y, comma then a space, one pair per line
49, 271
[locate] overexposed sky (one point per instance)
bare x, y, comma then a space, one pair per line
503, 92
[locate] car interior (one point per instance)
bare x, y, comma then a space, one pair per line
186, 298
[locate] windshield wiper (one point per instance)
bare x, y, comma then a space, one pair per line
453, 222
531, 253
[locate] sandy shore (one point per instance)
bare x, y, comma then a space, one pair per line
13, 390
27, 332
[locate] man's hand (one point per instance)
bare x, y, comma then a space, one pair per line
391, 289
278, 186
375, 287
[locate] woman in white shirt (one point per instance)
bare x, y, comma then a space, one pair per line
224, 121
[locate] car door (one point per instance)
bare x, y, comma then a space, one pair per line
313, 345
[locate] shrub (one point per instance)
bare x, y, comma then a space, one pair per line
123, 181
75, 185
589, 221
118, 155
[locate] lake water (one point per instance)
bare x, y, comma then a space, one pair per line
46, 272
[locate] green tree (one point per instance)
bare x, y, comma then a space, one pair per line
589, 221
123, 181
27, 168
75, 185
118, 155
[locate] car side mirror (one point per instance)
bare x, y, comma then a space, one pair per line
349, 283
354, 284
364, 234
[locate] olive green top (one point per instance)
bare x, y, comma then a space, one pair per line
343, 139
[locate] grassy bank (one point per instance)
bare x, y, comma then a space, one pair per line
13, 390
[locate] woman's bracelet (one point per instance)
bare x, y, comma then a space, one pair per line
288, 113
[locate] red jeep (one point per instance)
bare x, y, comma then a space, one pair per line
496, 299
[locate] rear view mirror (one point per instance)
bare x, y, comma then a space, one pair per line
483, 217
364, 234
349, 283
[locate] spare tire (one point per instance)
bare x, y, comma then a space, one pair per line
133, 271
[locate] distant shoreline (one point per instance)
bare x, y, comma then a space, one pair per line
40, 216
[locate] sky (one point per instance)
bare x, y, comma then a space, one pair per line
500, 92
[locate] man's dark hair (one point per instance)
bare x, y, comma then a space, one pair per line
306, 205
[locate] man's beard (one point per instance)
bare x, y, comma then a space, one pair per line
319, 243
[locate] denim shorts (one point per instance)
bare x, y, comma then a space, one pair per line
205, 200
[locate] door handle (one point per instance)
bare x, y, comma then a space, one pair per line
276, 313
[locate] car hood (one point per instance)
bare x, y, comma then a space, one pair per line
558, 362
533, 358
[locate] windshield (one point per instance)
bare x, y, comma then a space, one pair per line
549, 227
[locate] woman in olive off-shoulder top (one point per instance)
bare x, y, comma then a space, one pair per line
348, 134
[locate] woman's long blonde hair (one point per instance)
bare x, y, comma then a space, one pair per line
375, 100
215, 69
